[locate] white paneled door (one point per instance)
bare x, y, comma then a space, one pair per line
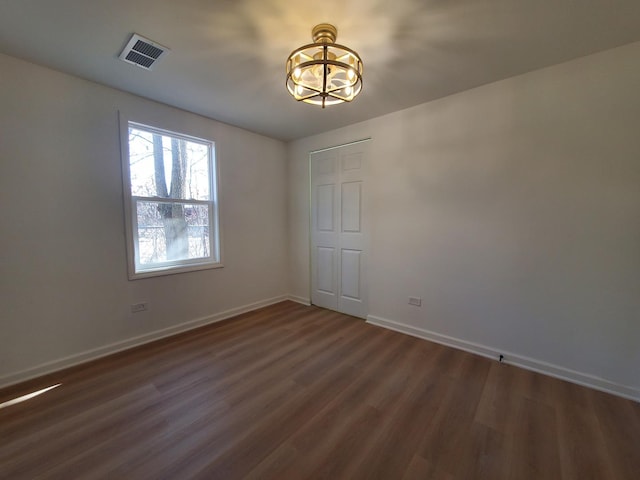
338, 229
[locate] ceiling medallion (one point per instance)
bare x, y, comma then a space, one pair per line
324, 73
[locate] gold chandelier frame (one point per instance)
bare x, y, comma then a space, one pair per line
324, 73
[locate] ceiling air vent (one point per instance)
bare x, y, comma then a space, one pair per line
142, 52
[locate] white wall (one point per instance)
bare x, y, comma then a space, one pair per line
513, 210
64, 292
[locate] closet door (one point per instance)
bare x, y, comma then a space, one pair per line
338, 229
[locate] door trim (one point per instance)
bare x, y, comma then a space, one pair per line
325, 149
309, 187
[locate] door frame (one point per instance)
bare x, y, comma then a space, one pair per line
309, 187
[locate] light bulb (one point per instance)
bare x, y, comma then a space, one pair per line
297, 72
299, 89
351, 74
348, 90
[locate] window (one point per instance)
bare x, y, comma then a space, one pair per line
170, 188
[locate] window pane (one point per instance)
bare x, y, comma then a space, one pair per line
172, 202
169, 232
165, 166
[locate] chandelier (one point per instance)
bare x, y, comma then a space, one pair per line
324, 73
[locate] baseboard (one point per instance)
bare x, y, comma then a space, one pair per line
302, 300
110, 349
512, 359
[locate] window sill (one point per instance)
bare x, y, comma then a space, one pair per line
172, 270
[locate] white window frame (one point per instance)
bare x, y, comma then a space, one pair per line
135, 270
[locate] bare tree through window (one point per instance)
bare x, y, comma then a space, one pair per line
173, 199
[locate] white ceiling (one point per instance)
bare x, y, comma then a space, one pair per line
227, 56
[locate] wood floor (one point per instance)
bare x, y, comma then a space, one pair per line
294, 392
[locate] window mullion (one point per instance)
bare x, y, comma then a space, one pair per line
171, 200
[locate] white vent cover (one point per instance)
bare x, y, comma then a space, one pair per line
143, 52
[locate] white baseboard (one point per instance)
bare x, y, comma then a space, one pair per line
110, 349
302, 300
512, 359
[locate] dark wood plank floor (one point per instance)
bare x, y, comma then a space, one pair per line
294, 392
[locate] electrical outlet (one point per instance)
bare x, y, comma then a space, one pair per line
139, 307
417, 301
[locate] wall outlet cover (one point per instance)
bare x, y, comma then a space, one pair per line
139, 307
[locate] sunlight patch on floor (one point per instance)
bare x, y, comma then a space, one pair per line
28, 396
